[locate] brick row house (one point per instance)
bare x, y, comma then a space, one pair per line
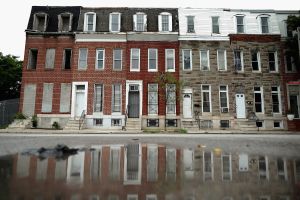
114, 57
105, 63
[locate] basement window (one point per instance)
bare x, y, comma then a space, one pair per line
65, 22
206, 124
98, 122
40, 22
171, 122
277, 124
67, 59
116, 122
32, 59
152, 122
259, 124
224, 123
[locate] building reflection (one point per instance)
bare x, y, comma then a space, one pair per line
152, 172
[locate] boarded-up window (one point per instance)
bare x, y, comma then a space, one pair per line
65, 95
82, 58
23, 163
29, 99
50, 58
47, 97
188, 163
41, 169
32, 59
67, 59
60, 169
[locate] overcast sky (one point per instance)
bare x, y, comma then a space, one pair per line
14, 14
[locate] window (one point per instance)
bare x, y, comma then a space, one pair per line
224, 124
152, 162
294, 97
204, 60
116, 98
50, 58
152, 122
277, 124
140, 22
240, 24
40, 21
60, 169
116, 122
89, 21
238, 61
264, 24
190, 24
187, 59
208, 166
165, 22
263, 168
67, 58
215, 25
259, 123
170, 60
258, 100
152, 60
290, 63
82, 59
95, 165
41, 169
170, 164
281, 169
188, 163
114, 163
222, 60
32, 59
65, 97
224, 98
276, 105
273, 64
47, 97
117, 59
100, 59
171, 98
152, 98
65, 22
151, 197
132, 197
255, 61
98, 122
297, 170
98, 98
135, 60
226, 167
114, 24
206, 98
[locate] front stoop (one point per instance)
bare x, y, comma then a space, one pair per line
73, 124
133, 124
246, 125
190, 125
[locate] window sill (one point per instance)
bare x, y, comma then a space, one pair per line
134, 70
152, 70
274, 72
187, 69
173, 70
222, 70
31, 69
117, 70
256, 72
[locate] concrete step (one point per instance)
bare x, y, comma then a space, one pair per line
133, 124
190, 124
73, 124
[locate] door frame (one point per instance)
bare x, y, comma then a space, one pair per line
135, 82
188, 91
73, 102
244, 105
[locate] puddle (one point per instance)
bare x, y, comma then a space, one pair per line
147, 171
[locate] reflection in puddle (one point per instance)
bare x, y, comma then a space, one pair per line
150, 172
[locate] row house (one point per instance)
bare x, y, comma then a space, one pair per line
102, 64
230, 62
151, 172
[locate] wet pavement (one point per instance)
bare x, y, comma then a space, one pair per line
137, 167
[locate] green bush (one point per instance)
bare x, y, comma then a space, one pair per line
19, 115
34, 121
55, 125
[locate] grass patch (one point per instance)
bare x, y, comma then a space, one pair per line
151, 131
182, 130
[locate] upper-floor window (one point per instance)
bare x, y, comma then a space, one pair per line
114, 22
32, 59
238, 61
82, 58
187, 59
50, 58
240, 27
135, 60
255, 61
40, 21
165, 22
290, 63
117, 59
65, 22
152, 60
100, 59
170, 60
215, 24
140, 22
222, 61
204, 60
90, 21
190, 24
258, 100
264, 23
206, 98
67, 58
273, 64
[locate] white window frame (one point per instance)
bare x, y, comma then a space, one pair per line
160, 26
258, 61
187, 24
167, 88
110, 21
209, 94
230, 166
275, 60
236, 23
60, 21
266, 173
218, 24
149, 99
226, 91
97, 59
131, 60
85, 26
241, 58
86, 59
208, 62
102, 97
191, 60
279, 98
166, 60
132, 197
116, 148
260, 23
225, 59
279, 173
115, 59
36, 21
205, 176
262, 99
151, 197
152, 70
113, 98
135, 22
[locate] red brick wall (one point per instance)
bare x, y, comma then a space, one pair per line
255, 37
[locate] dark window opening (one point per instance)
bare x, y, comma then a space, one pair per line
67, 59
98, 122
32, 62
171, 122
277, 124
224, 123
259, 124
152, 122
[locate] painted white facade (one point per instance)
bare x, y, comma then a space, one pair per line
227, 23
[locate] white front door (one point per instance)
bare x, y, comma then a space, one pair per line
240, 106
187, 105
79, 103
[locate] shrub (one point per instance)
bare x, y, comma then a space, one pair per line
34, 121
55, 125
19, 115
